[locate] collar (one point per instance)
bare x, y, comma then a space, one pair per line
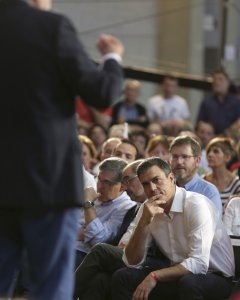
189, 184
177, 204
123, 195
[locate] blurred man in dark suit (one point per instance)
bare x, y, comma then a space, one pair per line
43, 67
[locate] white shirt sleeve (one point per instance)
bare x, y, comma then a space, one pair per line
231, 217
114, 56
200, 224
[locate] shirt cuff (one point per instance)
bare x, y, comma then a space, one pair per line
112, 55
92, 229
137, 266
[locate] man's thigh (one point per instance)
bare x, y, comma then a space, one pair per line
207, 287
126, 280
103, 258
50, 240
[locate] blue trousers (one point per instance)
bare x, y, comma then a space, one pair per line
49, 239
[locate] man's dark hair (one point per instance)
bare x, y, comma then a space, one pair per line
223, 72
127, 141
170, 77
154, 161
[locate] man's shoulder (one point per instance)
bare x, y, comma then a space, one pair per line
42, 17
155, 99
179, 99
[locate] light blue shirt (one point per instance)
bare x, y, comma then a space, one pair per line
107, 223
201, 186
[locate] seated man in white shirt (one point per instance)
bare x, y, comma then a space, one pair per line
187, 229
168, 109
103, 211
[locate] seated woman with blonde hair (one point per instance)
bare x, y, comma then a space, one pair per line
219, 151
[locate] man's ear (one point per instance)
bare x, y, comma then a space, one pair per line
122, 189
198, 160
171, 177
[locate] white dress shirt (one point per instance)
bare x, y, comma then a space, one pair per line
160, 109
193, 235
231, 217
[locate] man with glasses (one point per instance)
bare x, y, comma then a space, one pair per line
187, 229
104, 210
185, 159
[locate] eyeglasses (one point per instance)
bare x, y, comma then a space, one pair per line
107, 182
183, 157
127, 180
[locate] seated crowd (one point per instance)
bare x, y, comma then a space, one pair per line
161, 199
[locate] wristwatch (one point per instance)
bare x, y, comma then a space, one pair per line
88, 204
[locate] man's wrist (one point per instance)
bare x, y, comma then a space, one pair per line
154, 276
112, 55
88, 204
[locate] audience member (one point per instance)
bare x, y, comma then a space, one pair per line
126, 150
158, 146
87, 115
98, 135
89, 152
220, 150
128, 110
140, 140
107, 151
154, 129
205, 132
104, 210
168, 109
231, 217
221, 109
186, 227
117, 131
185, 159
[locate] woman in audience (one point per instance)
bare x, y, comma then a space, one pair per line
98, 135
89, 153
159, 146
231, 217
220, 150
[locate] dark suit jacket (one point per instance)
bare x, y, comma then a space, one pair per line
43, 67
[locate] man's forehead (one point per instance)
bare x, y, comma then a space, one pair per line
127, 173
182, 148
152, 172
125, 148
105, 174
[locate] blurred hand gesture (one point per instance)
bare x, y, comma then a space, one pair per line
109, 44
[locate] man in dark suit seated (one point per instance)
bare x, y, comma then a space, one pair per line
43, 68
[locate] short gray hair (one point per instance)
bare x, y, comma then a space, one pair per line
114, 165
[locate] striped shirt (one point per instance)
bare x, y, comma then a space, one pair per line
233, 188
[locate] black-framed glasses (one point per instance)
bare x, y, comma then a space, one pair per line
183, 157
127, 180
